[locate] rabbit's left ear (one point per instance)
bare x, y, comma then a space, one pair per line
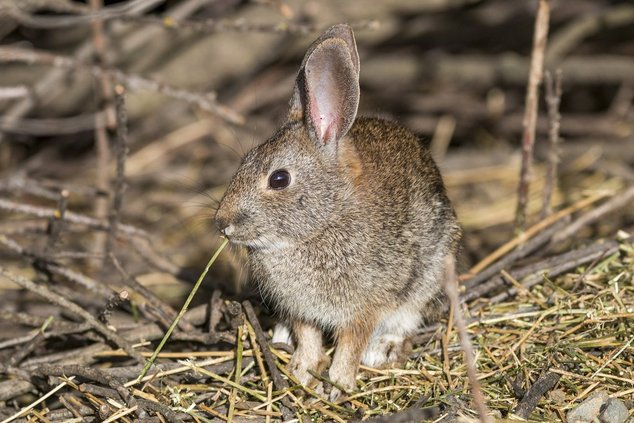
326, 95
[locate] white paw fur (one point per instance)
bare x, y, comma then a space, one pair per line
383, 350
386, 344
282, 334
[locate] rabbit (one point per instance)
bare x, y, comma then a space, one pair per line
345, 219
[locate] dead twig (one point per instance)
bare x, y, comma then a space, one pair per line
84, 15
90, 373
278, 382
552, 266
164, 313
534, 231
241, 25
521, 251
122, 154
17, 91
530, 112
71, 307
451, 287
46, 264
619, 201
587, 25
54, 78
544, 383
553, 98
79, 219
53, 126
206, 101
103, 99
146, 250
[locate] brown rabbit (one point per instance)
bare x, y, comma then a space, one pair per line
345, 219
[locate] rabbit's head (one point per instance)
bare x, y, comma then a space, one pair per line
289, 187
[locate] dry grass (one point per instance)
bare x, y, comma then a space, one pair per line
578, 326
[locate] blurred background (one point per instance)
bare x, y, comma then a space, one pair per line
206, 80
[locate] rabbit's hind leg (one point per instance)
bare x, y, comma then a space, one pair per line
389, 341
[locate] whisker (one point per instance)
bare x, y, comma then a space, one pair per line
236, 139
235, 152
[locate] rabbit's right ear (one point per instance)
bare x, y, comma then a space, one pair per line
326, 94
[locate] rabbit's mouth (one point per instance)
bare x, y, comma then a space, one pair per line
262, 242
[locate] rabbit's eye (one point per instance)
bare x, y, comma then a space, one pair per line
279, 179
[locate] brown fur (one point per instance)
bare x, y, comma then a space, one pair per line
351, 342
309, 354
355, 244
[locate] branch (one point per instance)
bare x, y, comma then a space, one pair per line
53, 126
544, 383
241, 25
553, 98
71, 307
205, 101
98, 224
619, 200
530, 112
278, 382
122, 155
53, 78
451, 287
84, 16
553, 266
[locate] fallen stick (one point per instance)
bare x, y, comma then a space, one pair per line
520, 252
98, 224
451, 288
71, 307
278, 382
544, 384
554, 266
206, 101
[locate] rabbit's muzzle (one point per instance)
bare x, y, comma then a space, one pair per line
229, 221
225, 222
227, 230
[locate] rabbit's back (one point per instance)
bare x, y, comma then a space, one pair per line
403, 195
397, 166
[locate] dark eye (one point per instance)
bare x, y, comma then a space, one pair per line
279, 179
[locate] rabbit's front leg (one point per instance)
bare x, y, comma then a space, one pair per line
351, 342
308, 355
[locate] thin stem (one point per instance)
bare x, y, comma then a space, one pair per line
151, 360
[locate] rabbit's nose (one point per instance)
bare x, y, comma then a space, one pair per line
223, 224
227, 222
227, 230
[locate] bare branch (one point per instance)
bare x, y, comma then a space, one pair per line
17, 91
71, 307
530, 112
451, 287
122, 155
553, 98
205, 101
86, 16
52, 126
98, 224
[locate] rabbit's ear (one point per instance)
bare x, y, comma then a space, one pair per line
343, 32
326, 95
